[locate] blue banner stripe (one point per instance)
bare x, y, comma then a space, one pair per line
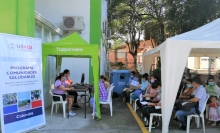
14, 59
10, 109
22, 115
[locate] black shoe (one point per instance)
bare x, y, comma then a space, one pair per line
176, 120
76, 106
191, 123
218, 123
153, 125
183, 128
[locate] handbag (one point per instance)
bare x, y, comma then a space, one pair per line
137, 92
186, 106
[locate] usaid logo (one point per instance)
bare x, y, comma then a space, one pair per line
14, 46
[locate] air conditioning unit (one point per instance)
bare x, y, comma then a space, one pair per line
73, 23
109, 35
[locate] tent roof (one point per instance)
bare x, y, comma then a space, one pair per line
208, 32
174, 53
205, 35
71, 46
74, 39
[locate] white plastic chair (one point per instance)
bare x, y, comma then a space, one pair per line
198, 117
109, 100
151, 119
57, 104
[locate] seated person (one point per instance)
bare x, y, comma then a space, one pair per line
59, 89
126, 92
212, 89
106, 83
142, 88
150, 92
103, 96
150, 107
69, 82
200, 97
188, 91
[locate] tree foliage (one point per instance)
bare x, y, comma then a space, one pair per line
185, 15
160, 18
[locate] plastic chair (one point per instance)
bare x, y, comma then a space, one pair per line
57, 104
109, 100
151, 119
198, 117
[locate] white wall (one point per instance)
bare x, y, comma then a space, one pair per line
53, 11
103, 54
76, 68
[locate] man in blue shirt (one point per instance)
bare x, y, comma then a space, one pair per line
126, 92
132, 77
200, 97
142, 88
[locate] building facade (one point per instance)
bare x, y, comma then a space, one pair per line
94, 16
121, 54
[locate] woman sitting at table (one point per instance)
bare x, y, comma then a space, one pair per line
69, 82
59, 89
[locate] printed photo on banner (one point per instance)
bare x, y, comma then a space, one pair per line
24, 105
35, 95
9, 99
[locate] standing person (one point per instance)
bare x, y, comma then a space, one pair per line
213, 116
59, 89
126, 92
69, 82
200, 97
103, 96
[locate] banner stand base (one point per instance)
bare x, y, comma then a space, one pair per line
37, 128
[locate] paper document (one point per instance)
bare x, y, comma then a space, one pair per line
134, 83
144, 103
157, 107
140, 97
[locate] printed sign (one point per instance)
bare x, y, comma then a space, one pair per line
21, 92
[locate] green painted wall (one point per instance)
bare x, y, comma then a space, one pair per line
17, 17
95, 27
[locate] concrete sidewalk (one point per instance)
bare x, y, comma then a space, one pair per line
122, 121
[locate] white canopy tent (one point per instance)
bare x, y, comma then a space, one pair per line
174, 53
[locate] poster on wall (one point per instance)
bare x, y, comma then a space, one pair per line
22, 106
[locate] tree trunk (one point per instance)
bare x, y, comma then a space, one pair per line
135, 62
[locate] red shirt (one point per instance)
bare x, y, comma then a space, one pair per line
212, 105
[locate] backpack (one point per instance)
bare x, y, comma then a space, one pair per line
137, 92
186, 106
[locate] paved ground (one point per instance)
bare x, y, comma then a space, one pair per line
121, 122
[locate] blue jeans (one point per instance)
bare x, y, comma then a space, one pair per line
182, 115
93, 103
